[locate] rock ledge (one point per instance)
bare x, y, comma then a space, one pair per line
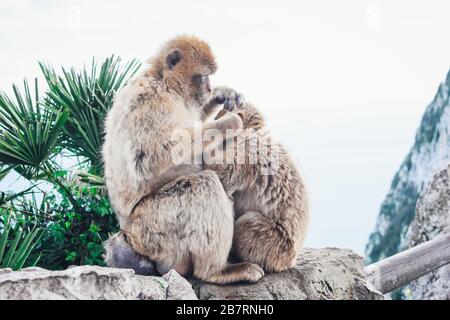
328, 273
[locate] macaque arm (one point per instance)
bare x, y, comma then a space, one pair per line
209, 108
210, 135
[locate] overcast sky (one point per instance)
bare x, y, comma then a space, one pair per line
343, 84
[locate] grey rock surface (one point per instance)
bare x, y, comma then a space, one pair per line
432, 219
91, 282
328, 273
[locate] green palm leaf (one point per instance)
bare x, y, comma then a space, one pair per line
88, 95
91, 179
4, 170
28, 131
7, 197
16, 252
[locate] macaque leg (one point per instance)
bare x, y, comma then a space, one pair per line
188, 224
260, 241
211, 249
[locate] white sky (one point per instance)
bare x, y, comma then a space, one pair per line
342, 83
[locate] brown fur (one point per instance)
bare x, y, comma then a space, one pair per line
176, 215
271, 210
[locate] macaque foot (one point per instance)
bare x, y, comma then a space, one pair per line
119, 254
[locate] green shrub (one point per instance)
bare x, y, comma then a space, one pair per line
35, 133
74, 237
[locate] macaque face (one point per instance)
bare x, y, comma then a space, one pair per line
200, 88
190, 70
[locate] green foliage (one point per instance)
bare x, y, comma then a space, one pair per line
74, 237
401, 210
88, 95
76, 214
91, 179
28, 131
17, 241
4, 170
8, 197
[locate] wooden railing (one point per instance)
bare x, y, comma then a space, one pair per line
393, 272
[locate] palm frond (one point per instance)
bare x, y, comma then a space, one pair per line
91, 179
15, 252
4, 170
88, 95
28, 131
6, 197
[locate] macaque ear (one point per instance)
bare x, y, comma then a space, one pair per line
173, 58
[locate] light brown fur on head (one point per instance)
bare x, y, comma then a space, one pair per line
192, 58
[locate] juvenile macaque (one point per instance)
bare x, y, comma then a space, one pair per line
270, 200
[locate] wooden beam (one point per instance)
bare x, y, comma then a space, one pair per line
393, 272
